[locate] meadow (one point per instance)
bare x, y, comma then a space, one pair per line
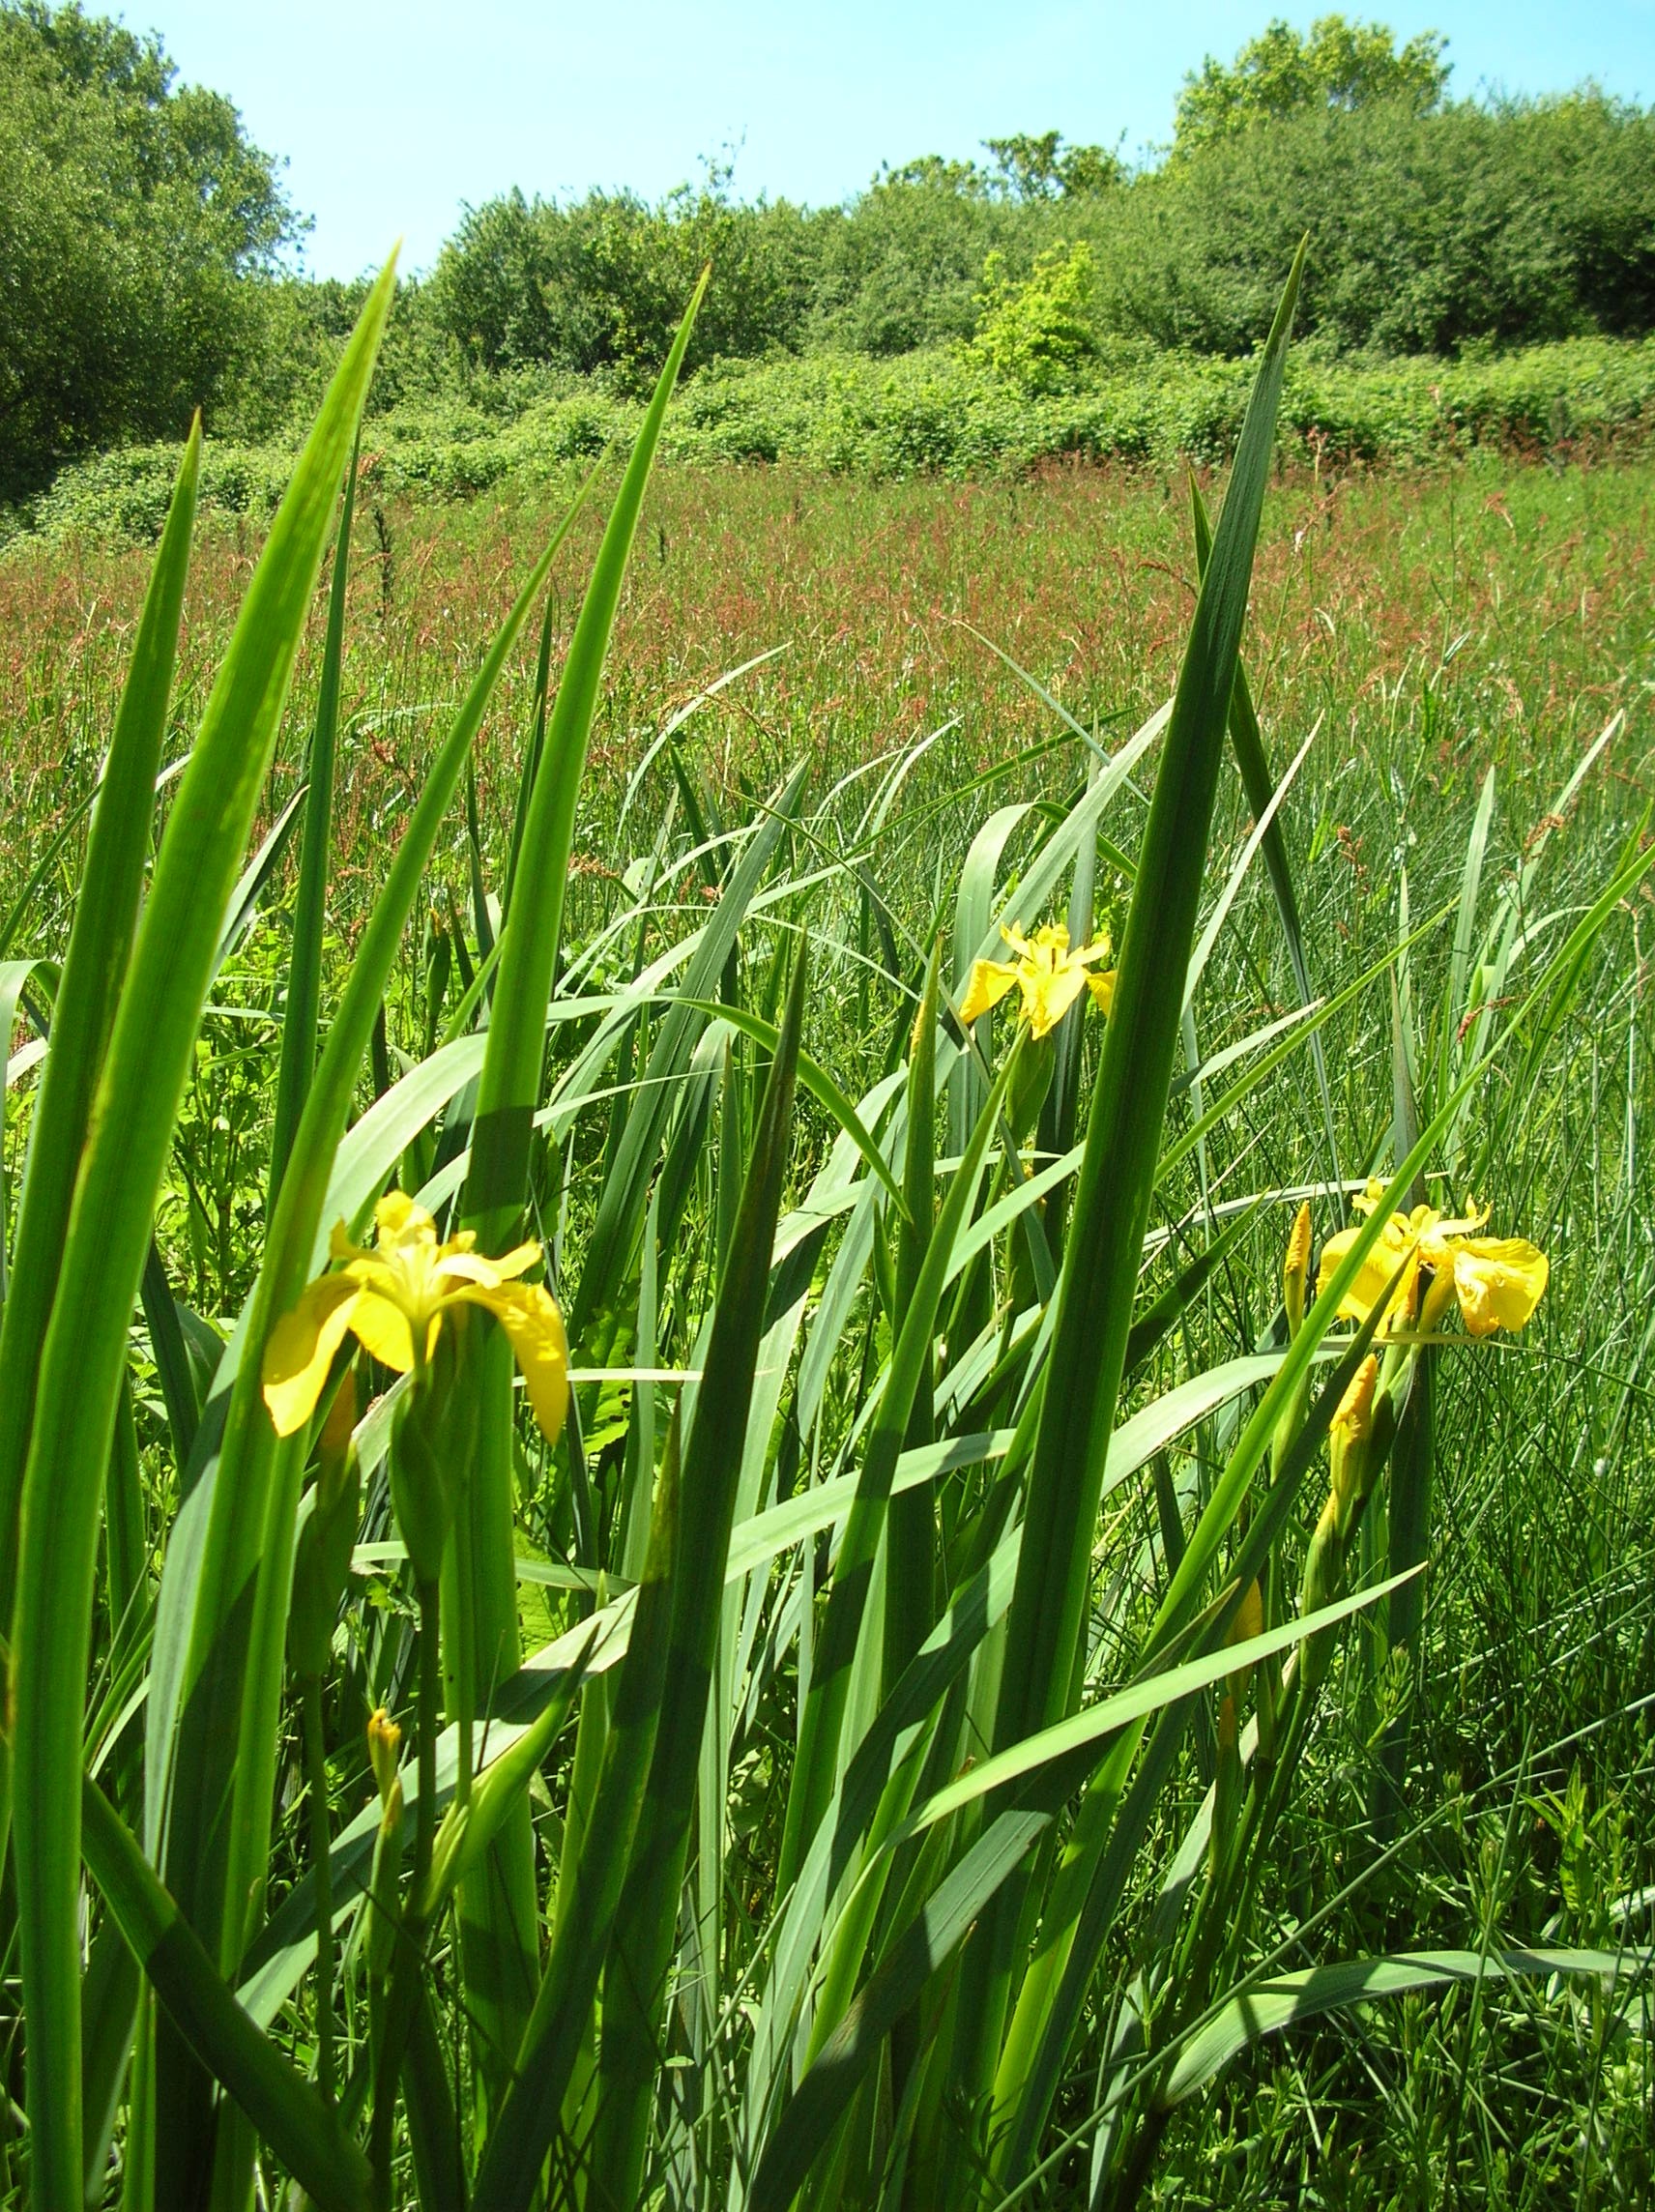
971, 1665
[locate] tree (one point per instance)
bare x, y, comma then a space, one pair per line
1045, 168
602, 283
136, 223
1339, 67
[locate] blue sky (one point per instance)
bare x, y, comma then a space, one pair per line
392, 113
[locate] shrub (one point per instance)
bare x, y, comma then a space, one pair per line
1039, 334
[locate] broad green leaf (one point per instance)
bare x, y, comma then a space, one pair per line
298, 1058
1043, 1647
83, 1006
136, 1103
287, 2112
499, 1910
1285, 1999
635, 1978
831, 1682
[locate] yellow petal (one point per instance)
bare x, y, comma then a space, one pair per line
1102, 988
1047, 999
986, 985
1297, 1261
340, 1245
1374, 1274
1097, 949
381, 1327
1499, 1281
1355, 1411
392, 1214
1248, 1618
457, 1261
300, 1350
528, 1315
517, 1261
466, 1267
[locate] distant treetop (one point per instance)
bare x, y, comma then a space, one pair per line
1338, 66
1025, 168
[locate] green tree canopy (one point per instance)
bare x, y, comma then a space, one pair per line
1338, 66
1045, 167
135, 221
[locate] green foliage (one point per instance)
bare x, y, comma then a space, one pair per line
1045, 168
1429, 232
1338, 66
792, 1364
598, 284
1039, 332
943, 412
141, 236
135, 224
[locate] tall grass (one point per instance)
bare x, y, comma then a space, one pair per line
959, 1690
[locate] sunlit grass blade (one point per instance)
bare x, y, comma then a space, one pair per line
805, 2129
974, 910
911, 1565
635, 1976
510, 1080
1269, 2007
309, 912
242, 910
1112, 1202
620, 1205
830, 1684
222, 1669
83, 1007
1247, 740
290, 2115
498, 1909
561, 2022
137, 1099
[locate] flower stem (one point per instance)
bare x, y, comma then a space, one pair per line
403, 1993
430, 1721
321, 1875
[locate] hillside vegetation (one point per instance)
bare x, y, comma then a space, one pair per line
1045, 298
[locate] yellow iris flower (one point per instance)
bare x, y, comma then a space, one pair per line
392, 1299
1050, 977
1498, 1281
1353, 1420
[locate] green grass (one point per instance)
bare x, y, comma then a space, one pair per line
775, 1348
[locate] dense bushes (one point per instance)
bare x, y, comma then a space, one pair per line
938, 411
602, 284
1432, 229
135, 221
1427, 231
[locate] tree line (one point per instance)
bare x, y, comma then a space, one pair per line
146, 244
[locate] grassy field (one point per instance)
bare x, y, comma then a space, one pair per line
1455, 1783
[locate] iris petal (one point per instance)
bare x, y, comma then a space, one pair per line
1046, 999
985, 987
381, 1325
301, 1351
528, 1315
1373, 1276
1499, 1281
466, 1267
